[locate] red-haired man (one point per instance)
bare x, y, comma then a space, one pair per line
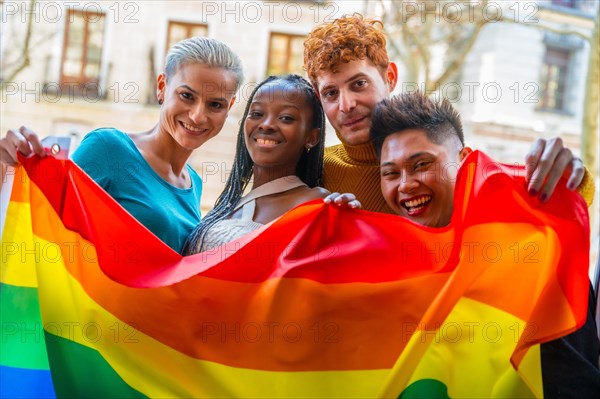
348, 64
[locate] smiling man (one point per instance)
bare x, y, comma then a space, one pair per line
420, 144
347, 63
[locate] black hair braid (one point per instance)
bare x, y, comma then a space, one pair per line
310, 164
309, 169
234, 187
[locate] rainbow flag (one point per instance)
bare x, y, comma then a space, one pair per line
324, 302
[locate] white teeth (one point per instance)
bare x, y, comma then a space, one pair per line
418, 201
265, 141
192, 128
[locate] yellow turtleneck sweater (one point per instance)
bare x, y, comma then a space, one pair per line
355, 169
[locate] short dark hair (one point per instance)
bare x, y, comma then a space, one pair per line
415, 110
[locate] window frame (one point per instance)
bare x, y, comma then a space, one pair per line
188, 25
565, 4
289, 37
81, 80
563, 64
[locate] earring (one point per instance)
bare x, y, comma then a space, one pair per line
160, 102
308, 149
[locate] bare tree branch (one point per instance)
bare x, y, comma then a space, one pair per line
24, 59
422, 49
551, 29
412, 61
459, 57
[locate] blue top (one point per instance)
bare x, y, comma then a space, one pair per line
111, 158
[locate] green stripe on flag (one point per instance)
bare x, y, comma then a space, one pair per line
22, 342
77, 368
426, 388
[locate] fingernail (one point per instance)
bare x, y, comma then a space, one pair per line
533, 191
571, 186
543, 197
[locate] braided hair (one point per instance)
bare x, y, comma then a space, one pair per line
309, 168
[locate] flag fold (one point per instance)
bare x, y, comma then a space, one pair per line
322, 302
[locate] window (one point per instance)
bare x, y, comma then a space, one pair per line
586, 8
183, 30
565, 3
286, 54
553, 79
82, 54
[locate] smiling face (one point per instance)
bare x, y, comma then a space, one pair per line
350, 95
418, 176
196, 102
278, 127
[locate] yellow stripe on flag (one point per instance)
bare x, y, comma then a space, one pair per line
18, 251
470, 353
157, 370
472, 299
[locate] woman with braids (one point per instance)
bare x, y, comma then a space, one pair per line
280, 145
147, 173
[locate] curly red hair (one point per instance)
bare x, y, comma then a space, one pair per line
343, 40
